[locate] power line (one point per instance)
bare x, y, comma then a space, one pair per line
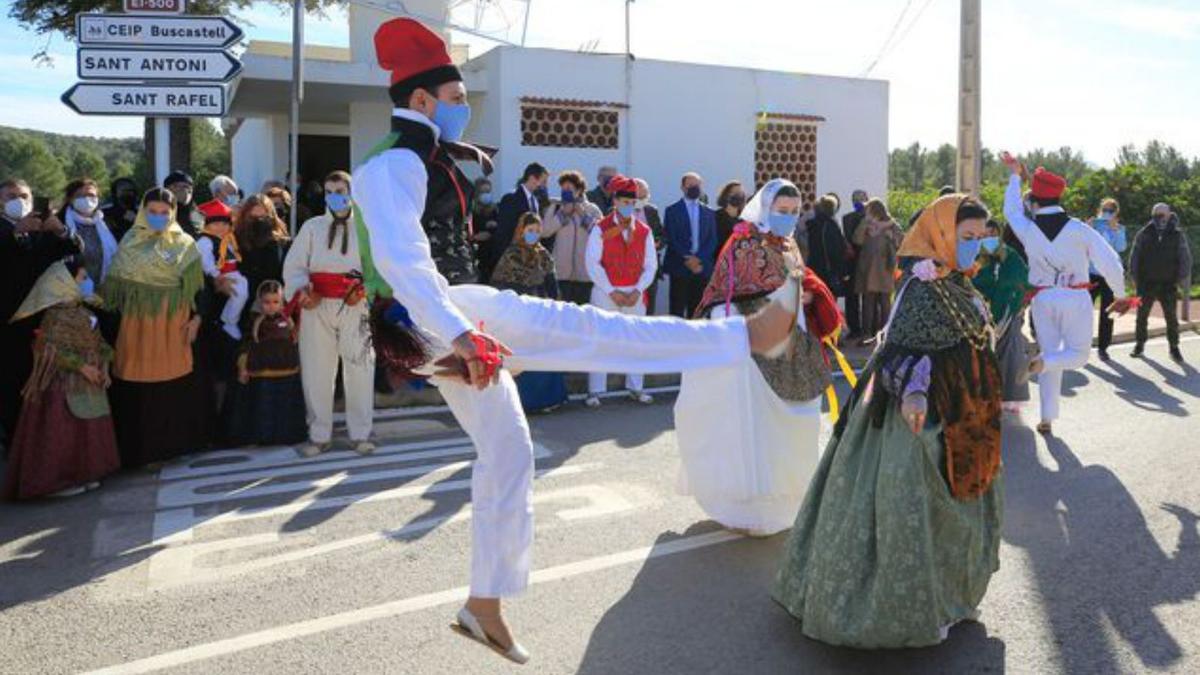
887, 41
903, 35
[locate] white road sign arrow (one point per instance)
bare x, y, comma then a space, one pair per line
156, 64
147, 100
132, 30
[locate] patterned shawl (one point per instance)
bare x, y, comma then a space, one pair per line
523, 266
153, 271
54, 287
935, 234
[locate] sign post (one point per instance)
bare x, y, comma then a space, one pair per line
155, 6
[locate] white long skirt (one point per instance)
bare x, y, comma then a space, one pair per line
747, 456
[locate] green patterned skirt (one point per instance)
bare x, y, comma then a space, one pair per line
881, 554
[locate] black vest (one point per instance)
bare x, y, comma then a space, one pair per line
1052, 223
1157, 254
446, 219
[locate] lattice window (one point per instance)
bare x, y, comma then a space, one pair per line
569, 124
785, 146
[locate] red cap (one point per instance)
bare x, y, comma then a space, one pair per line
1047, 185
622, 186
414, 53
215, 211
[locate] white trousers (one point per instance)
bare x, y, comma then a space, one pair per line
1063, 319
598, 382
553, 336
329, 332
231, 313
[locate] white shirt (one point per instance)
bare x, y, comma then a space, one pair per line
693, 209
595, 251
1064, 261
310, 252
390, 190
208, 257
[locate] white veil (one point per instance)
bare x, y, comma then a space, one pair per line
759, 206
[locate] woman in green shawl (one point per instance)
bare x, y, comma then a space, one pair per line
159, 404
899, 533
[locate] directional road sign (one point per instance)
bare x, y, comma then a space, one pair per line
156, 64
149, 100
155, 6
132, 30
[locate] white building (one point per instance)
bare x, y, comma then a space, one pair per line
569, 110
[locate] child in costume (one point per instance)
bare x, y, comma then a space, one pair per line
220, 257
64, 440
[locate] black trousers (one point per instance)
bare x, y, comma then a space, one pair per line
578, 292
686, 293
1102, 291
1165, 294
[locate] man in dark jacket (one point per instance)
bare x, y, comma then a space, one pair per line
648, 213
122, 207
827, 246
691, 229
599, 195
1161, 264
850, 223
522, 200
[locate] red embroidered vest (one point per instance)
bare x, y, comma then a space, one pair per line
623, 261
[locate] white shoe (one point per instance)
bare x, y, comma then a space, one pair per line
592, 401
94, 485
469, 625
310, 450
364, 448
69, 492
641, 397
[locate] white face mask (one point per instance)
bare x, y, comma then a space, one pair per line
85, 206
17, 208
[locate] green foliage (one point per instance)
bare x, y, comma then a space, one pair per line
904, 203
210, 156
27, 157
86, 163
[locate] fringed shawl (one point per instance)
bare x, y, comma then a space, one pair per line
153, 271
942, 320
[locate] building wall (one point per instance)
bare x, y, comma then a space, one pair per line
687, 117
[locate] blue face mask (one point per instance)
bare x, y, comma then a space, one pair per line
990, 244
452, 119
230, 199
782, 224
337, 202
158, 221
626, 210
859, 207
1108, 214
968, 251
568, 197
532, 237
485, 198
87, 287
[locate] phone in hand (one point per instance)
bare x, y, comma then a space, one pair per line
41, 207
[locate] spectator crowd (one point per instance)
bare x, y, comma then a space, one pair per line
139, 325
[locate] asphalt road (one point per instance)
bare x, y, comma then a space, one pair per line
259, 562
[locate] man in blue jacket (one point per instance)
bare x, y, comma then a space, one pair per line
691, 229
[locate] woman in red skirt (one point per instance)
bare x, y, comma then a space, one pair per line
64, 440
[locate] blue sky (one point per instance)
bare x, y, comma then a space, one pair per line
1092, 74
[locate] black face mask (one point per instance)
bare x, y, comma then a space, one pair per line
737, 200
692, 192
262, 226
127, 200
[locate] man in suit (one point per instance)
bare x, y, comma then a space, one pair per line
520, 201
648, 214
850, 223
691, 233
599, 195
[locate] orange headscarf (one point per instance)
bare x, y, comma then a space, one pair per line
935, 234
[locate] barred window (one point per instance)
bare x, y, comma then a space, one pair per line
570, 124
785, 146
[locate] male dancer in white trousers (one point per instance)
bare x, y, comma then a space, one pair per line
322, 272
1060, 249
412, 200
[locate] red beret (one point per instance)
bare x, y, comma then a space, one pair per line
215, 211
415, 55
622, 186
1047, 185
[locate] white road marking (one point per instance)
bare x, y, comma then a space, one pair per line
395, 608
177, 565
244, 460
192, 492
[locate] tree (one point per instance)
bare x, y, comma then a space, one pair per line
29, 159
941, 166
210, 155
88, 164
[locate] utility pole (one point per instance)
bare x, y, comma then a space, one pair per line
294, 122
969, 160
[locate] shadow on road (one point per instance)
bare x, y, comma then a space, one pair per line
1094, 560
709, 611
1136, 390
